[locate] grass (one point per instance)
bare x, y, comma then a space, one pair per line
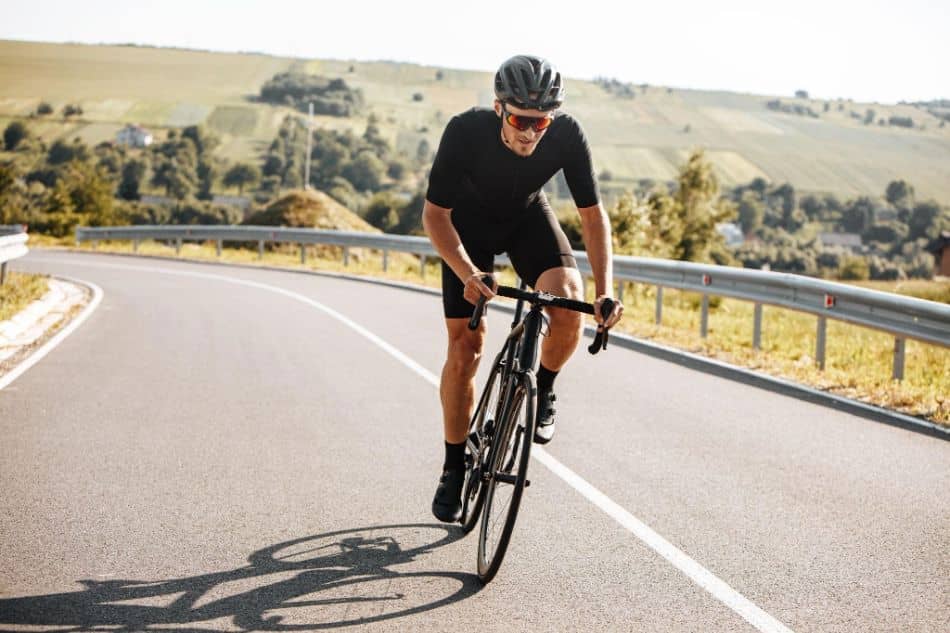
19, 290
858, 360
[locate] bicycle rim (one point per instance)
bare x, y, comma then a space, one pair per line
478, 445
509, 468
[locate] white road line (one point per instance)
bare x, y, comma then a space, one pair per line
58, 338
676, 557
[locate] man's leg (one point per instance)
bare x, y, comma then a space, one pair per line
457, 388
566, 326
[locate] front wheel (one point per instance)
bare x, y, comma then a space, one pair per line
506, 477
478, 444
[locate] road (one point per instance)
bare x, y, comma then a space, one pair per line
217, 448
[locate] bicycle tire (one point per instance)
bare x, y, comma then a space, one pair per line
510, 453
478, 445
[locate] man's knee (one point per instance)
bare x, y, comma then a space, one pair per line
561, 281
465, 347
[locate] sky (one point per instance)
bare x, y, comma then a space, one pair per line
869, 51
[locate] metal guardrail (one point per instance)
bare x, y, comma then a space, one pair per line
12, 245
904, 317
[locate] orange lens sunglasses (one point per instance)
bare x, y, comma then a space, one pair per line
522, 122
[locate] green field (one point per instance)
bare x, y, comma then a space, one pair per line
644, 137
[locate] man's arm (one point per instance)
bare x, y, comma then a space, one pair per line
437, 222
595, 231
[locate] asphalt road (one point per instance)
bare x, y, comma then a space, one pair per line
213, 451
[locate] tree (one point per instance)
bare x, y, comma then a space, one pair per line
858, 215
206, 173
62, 152
133, 172
899, 194
751, 212
203, 140
697, 204
854, 269
423, 151
365, 171
383, 211
240, 175
13, 134
927, 220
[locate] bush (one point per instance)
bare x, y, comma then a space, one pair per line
14, 134
44, 108
854, 269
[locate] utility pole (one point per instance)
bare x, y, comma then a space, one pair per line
306, 178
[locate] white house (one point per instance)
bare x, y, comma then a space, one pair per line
134, 136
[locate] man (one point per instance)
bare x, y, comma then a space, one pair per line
484, 198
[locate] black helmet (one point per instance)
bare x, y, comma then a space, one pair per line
529, 82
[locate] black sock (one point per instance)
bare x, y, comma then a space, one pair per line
545, 379
454, 456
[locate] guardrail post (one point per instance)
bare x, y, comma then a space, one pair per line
385, 261
704, 317
820, 342
217, 248
95, 244
757, 328
659, 304
346, 255
303, 253
422, 266
260, 249
3, 273
899, 345
135, 246
177, 245
620, 291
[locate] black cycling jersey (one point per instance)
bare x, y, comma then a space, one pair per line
484, 182
496, 198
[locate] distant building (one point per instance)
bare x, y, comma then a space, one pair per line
851, 241
241, 202
941, 251
732, 232
134, 136
160, 201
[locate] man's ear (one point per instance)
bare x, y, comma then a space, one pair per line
497, 108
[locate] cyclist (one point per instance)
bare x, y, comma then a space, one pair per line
484, 198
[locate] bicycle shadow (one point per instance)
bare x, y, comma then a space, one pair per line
352, 568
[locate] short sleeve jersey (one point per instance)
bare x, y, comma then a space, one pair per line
476, 174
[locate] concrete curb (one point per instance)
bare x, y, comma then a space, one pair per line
655, 350
37, 355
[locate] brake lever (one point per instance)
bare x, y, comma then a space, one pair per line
480, 306
603, 332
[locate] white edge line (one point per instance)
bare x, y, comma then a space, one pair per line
676, 557
59, 337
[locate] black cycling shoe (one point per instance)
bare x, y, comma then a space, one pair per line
447, 504
544, 429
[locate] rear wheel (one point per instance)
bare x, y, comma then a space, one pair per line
506, 479
478, 444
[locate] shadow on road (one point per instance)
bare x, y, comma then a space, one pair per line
330, 580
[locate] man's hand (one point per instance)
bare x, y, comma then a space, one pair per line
476, 288
614, 316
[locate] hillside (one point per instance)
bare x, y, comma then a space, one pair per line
645, 137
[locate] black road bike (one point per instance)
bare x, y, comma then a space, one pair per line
502, 428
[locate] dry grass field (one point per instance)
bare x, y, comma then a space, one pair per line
644, 137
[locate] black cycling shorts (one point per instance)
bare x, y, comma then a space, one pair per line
534, 244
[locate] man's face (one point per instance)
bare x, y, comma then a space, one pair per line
521, 142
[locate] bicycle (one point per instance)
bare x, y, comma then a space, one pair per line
501, 430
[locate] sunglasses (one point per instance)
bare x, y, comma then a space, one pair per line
522, 123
